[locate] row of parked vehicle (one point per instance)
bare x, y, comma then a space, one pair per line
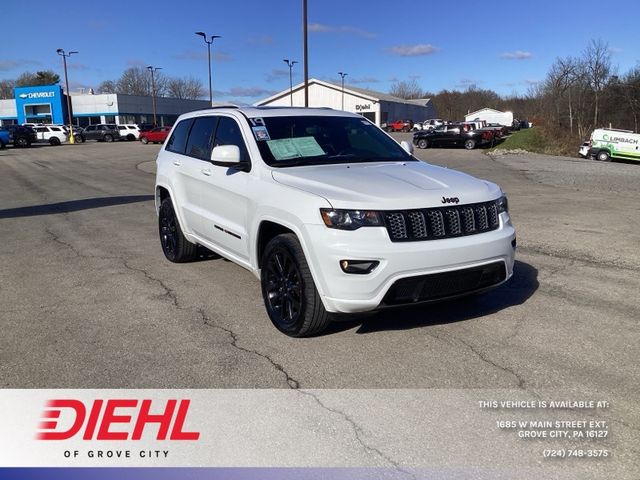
467, 134
56, 134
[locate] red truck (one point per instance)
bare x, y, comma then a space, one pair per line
399, 126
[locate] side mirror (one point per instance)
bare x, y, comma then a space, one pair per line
408, 147
226, 156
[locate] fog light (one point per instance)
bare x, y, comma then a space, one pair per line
358, 266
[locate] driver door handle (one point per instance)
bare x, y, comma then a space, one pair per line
177, 163
206, 171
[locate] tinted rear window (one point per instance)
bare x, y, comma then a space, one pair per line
178, 140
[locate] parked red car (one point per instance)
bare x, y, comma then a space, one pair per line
156, 135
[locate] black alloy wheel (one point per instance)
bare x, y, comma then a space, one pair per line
290, 295
175, 246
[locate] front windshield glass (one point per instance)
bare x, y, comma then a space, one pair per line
313, 140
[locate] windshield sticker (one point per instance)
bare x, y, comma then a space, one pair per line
261, 133
287, 148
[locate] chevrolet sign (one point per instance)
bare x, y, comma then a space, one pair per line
37, 95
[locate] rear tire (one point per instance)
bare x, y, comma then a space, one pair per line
175, 246
131, 137
470, 144
290, 295
108, 138
22, 142
422, 143
54, 141
603, 156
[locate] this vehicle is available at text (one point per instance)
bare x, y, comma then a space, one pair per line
328, 211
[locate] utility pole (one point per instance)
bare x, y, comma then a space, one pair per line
209, 42
153, 69
64, 55
290, 64
343, 74
306, 53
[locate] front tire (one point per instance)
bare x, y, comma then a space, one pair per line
470, 144
603, 156
108, 138
175, 246
290, 295
22, 142
422, 143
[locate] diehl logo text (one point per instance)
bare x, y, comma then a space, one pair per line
121, 419
455, 200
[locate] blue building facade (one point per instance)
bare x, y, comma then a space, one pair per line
41, 104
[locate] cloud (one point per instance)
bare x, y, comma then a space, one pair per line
6, 65
136, 62
530, 81
321, 28
418, 50
278, 74
614, 50
245, 92
261, 40
361, 80
77, 66
200, 55
467, 82
517, 55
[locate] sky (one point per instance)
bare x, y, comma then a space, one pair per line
503, 46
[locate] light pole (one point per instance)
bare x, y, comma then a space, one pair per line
64, 55
209, 42
343, 74
290, 64
153, 69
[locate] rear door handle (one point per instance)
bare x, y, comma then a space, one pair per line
206, 171
177, 163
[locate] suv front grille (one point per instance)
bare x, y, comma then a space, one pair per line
437, 286
441, 222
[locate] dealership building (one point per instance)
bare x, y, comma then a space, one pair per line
376, 106
48, 104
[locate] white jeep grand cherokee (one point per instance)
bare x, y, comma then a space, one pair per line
328, 211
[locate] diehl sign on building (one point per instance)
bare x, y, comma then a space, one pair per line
41, 104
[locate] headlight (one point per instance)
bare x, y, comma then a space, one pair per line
350, 219
502, 204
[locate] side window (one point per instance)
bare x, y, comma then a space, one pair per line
228, 133
199, 143
41, 129
178, 140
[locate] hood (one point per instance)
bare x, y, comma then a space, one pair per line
386, 186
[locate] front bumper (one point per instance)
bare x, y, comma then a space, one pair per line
351, 293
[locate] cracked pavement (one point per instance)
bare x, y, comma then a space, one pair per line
87, 299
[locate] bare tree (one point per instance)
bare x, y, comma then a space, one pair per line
407, 90
597, 58
108, 86
6, 88
137, 81
188, 88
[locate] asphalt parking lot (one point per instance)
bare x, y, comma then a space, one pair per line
87, 299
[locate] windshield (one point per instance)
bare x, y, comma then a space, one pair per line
314, 140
